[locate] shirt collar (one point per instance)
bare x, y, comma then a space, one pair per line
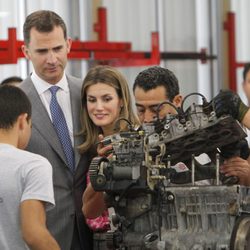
42, 86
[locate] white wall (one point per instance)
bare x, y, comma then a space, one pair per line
11, 15
182, 25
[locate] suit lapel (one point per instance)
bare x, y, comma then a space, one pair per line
42, 122
75, 108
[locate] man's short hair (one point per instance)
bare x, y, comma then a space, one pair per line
156, 76
11, 80
245, 70
13, 102
42, 21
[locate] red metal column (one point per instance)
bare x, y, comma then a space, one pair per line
229, 25
12, 50
101, 26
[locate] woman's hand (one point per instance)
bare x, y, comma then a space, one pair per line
104, 150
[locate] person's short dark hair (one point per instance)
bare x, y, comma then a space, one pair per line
12, 80
245, 70
42, 21
153, 77
13, 102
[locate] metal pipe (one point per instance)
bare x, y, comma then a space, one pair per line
217, 169
193, 170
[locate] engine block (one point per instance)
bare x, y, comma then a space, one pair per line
191, 218
151, 211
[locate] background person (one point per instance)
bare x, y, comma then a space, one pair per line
155, 85
246, 81
246, 89
12, 80
105, 99
228, 102
26, 188
53, 93
152, 87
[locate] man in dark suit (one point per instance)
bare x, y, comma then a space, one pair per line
46, 45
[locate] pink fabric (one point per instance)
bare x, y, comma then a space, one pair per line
100, 223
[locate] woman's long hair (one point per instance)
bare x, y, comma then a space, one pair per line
112, 77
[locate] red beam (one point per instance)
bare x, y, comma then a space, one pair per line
113, 53
100, 45
117, 53
140, 58
79, 55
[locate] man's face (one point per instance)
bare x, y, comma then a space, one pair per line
246, 86
48, 53
147, 103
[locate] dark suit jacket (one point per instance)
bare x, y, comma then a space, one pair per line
68, 188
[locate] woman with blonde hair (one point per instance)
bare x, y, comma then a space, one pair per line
105, 101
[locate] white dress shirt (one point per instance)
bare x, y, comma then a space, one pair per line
63, 98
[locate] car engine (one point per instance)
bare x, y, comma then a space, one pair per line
163, 195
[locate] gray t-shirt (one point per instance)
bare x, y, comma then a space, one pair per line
23, 176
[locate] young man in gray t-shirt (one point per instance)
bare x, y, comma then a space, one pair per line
26, 188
